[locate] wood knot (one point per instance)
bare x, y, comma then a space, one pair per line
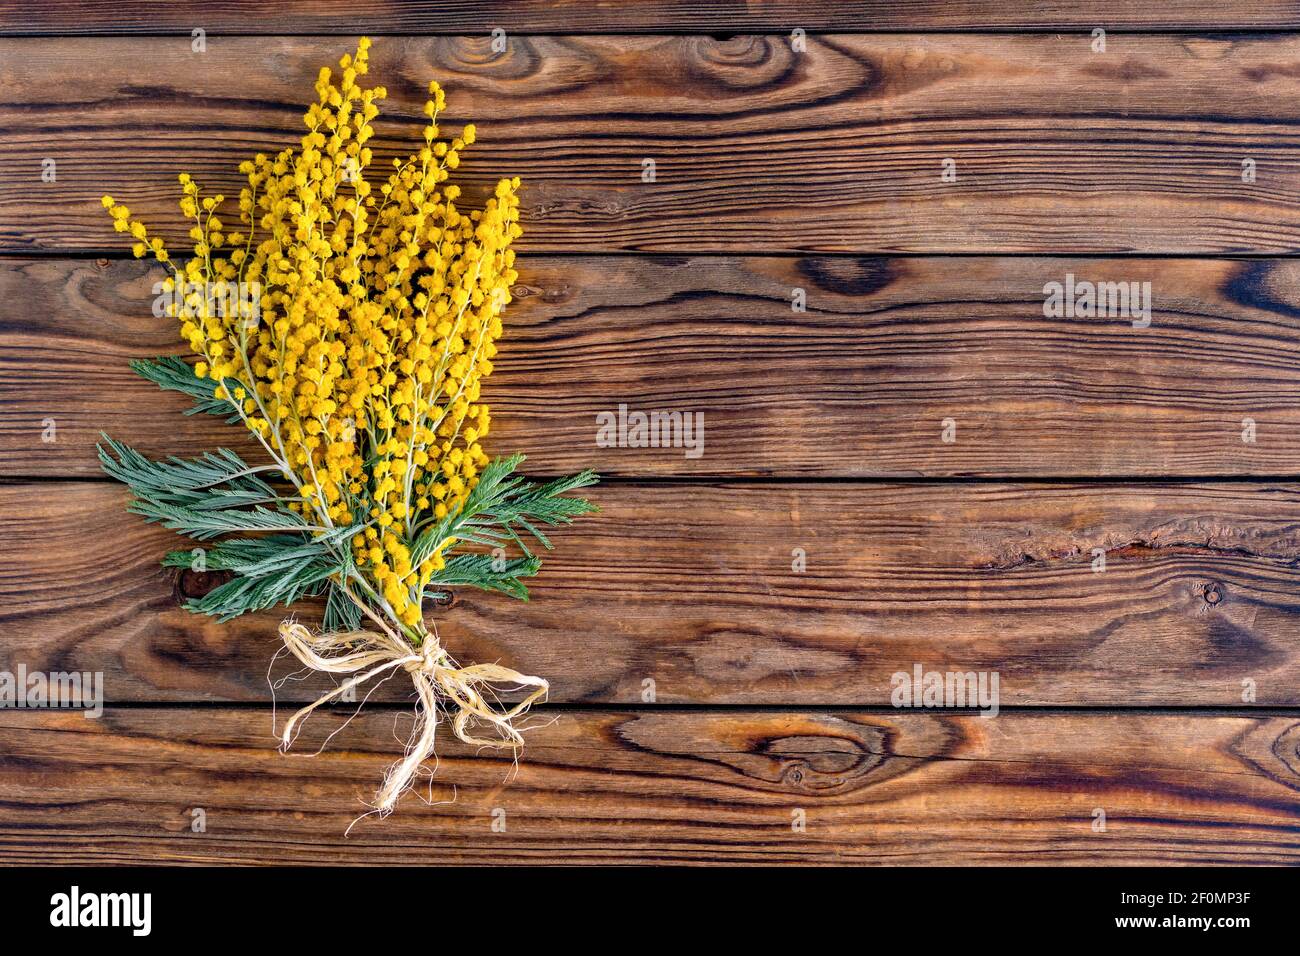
443, 599
1286, 748
852, 277
817, 763
1213, 594
192, 584
809, 756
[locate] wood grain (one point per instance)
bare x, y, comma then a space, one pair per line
662, 787
426, 17
763, 584
691, 592
757, 148
859, 385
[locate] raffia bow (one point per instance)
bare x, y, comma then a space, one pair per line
437, 678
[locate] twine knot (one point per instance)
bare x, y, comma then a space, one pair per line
428, 661
437, 679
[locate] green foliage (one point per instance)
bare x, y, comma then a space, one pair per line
242, 594
341, 612
287, 559
182, 480
257, 557
502, 505
205, 525
202, 497
174, 374
217, 493
489, 573
275, 569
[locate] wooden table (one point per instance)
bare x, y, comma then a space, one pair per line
721, 638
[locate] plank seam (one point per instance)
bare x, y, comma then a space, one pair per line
878, 710
811, 480
118, 255
1280, 30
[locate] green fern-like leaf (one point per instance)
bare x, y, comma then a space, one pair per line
242, 594
203, 525
502, 508
173, 374
488, 573
183, 480
341, 612
202, 497
254, 556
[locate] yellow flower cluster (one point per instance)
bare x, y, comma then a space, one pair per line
373, 321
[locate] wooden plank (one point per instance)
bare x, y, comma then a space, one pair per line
859, 385
690, 591
18, 17
757, 147
662, 787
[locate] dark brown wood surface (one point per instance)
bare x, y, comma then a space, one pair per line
693, 588
859, 385
662, 786
424, 17
757, 147
704, 690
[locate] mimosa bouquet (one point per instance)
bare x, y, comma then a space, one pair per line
348, 323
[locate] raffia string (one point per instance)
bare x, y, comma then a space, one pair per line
438, 682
